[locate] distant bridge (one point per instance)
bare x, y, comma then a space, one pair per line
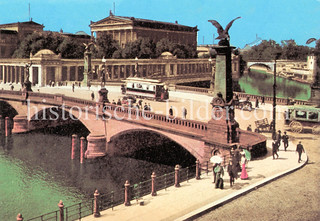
201, 139
269, 65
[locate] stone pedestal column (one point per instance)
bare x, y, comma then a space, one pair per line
20, 124
223, 73
97, 146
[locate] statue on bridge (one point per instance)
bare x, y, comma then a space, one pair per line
87, 62
223, 33
27, 84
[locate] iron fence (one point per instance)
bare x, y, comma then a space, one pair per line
112, 199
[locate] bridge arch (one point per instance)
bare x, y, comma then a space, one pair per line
261, 65
157, 136
7, 110
54, 116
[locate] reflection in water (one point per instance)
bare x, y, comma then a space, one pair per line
261, 83
36, 172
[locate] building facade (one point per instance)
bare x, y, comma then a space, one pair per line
11, 34
128, 29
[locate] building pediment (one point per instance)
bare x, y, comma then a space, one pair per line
111, 21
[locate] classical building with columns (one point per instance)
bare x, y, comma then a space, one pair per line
128, 29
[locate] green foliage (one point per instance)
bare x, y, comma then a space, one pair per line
179, 50
71, 49
268, 50
105, 47
49, 40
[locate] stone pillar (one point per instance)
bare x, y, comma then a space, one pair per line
7, 126
82, 144
19, 217
127, 193
96, 212
96, 146
61, 211
223, 74
177, 176
20, 124
73, 146
197, 169
153, 184
87, 68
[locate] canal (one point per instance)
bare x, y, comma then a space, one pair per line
36, 171
258, 82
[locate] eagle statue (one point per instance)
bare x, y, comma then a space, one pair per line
223, 33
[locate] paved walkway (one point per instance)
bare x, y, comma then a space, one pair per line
196, 197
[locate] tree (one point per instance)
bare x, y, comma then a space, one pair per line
52, 41
105, 46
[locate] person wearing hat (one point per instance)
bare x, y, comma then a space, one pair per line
285, 140
299, 149
279, 139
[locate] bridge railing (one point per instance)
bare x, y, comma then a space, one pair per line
153, 119
192, 89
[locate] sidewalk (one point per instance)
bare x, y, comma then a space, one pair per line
196, 197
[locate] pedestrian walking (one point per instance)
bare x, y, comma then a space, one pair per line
299, 149
214, 173
171, 111
285, 140
244, 174
92, 95
279, 137
219, 174
257, 102
274, 149
232, 171
72, 87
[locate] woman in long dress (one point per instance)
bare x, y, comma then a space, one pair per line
244, 174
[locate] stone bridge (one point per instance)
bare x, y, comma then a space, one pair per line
201, 139
269, 65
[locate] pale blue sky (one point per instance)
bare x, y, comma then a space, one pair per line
270, 19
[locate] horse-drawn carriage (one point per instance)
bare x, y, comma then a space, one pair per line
303, 117
243, 105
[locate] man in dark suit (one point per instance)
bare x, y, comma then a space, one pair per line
299, 150
285, 139
275, 149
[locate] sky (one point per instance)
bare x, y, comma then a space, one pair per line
268, 19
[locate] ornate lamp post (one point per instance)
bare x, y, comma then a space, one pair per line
274, 133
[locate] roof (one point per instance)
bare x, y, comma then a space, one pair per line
139, 22
24, 23
303, 107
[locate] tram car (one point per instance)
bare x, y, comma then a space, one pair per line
146, 88
300, 117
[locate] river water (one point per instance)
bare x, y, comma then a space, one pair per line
36, 172
261, 83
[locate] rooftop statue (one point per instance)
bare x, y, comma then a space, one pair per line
223, 33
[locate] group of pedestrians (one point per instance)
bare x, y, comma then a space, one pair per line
285, 139
233, 167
